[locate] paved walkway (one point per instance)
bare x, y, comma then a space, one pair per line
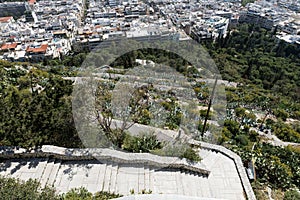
223, 181
273, 139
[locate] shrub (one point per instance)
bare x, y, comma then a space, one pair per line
282, 114
144, 143
242, 140
191, 155
179, 150
78, 194
291, 195
11, 188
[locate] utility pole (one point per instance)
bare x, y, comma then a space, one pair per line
209, 106
252, 163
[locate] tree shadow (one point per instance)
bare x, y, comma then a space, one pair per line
33, 163
5, 165
18, 167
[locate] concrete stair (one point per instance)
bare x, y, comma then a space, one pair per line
40, 169
141, 178
209, 158
53, 175
122, 177
180, 189
107, 177
47, 173
101, 176
113, 178
146, 177
151, 178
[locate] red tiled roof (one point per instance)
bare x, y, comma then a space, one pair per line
31, 1
9, 46
43, 49
5, 19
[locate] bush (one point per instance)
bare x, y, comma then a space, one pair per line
232, 126
242, 140
253, 136
286, 133
191, 155
78, 194
282, 114
291, 195
11, 188
84, 194
179, 150
144, 143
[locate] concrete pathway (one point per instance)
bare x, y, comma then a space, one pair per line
273, 139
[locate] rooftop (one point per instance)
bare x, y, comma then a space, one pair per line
8, 46
42, 48
5, 19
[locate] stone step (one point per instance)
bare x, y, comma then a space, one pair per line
92, 176
107, 177
141, 178
121, 180
128, 179
204, 153
75, 176
64, 176
187, 185
40, 169
101, 176
8, 167
54, 172
179, 182
151, 181
47, 173
203, 191
21, 170
211, 160
194, 181
146, 177
113, 178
